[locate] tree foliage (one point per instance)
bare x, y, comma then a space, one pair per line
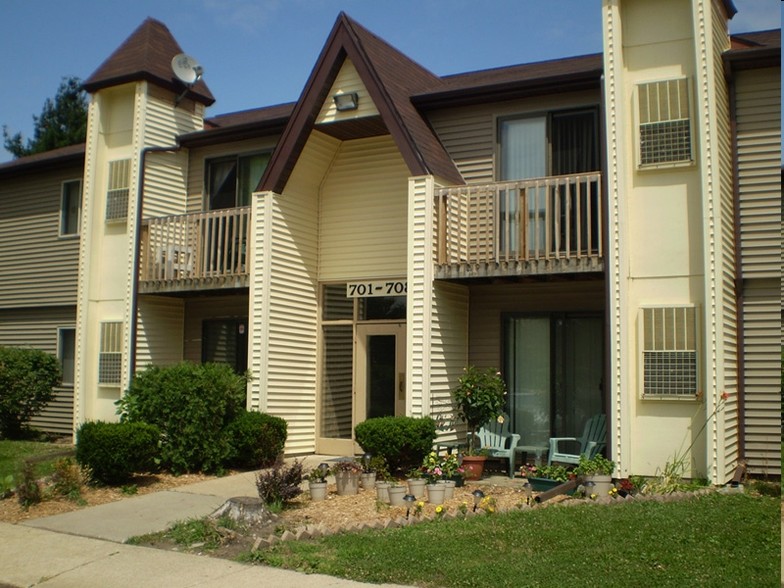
62, 122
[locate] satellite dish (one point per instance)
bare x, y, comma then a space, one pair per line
187, 69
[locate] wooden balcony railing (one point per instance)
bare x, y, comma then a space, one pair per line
190, 247
543, 225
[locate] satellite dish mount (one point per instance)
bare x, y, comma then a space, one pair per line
188, 71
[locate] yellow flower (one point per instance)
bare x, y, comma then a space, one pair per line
439, 509
500, 419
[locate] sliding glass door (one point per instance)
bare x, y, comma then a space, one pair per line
554, 368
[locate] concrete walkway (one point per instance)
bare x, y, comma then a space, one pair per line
85, 548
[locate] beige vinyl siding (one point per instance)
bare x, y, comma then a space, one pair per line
283, 291
346, 82
490, 302
198, 310
197, 165
762, 363
363, 213
449, 347
758, 115
37, 266
728, 445
37, 328
159, 331
292, 329
469, 133
419, 298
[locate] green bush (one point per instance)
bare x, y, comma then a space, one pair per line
113, 452
256, 439
192, 404
402, 441
27, 379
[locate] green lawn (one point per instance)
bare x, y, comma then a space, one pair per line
13, 454
713, 540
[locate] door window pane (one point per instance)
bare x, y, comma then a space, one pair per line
382, 308
381, 365
226, 341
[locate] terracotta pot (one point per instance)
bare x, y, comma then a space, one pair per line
474, 466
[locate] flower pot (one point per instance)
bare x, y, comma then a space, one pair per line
435, 493
347, 483
396, 494
449, 488
318, 491
602, 484
544, 484
382, 491
474, 466
458, 480
368, 480
416, 486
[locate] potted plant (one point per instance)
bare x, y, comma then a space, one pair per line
415, 478
479, 398
347, 474
317, 483
598, 470
545, 477
396, 493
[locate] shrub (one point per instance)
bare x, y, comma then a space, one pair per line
27, 379
192, 404
401, 441
113, 452
28, 492
279, 484
256, 439
67, 479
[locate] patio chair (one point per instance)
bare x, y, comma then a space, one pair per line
593, 440
495, 438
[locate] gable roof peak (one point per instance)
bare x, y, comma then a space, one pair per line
145, 55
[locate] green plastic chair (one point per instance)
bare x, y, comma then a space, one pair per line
592, 442
498, 441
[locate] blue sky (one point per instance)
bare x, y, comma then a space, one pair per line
260, 52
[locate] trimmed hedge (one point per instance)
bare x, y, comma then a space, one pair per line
27, 381
113, 452
256, 440
402, 441
192, 404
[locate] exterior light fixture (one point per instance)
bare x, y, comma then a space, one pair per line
323, 469
528, 492
478, 496
409, 500
366, 461
348, 101
589, 487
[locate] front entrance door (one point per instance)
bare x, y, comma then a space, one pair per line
380, 375
375, 387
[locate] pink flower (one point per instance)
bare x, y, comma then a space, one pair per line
725, 395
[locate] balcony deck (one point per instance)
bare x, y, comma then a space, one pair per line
542, 226
200, 251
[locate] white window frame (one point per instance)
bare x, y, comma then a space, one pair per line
110, 353
639, 123
674, 351
60, 350
65, 209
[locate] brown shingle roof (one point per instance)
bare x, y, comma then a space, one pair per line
146, 55
754, 50
48, 159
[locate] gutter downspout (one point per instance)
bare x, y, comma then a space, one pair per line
137, 245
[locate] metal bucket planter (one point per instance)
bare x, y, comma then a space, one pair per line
318, 491
368, 480
347, 483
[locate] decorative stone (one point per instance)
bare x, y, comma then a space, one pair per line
288, 536
244, 509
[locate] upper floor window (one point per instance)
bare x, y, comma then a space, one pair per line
118, 190
70, 207
550, 144
665, 123
232, 180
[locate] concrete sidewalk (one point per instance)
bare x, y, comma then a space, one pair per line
85, 548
